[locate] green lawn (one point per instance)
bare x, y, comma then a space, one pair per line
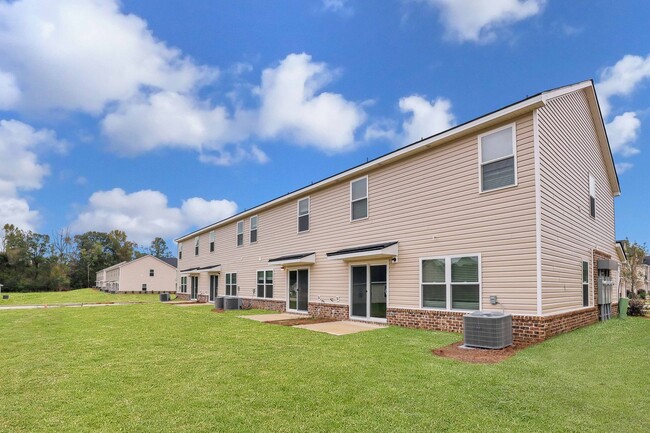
161, 368
73, 296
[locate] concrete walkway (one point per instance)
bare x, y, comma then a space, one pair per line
343, 327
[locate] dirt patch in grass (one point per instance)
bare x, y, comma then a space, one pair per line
218, 310
301, 321
476, 355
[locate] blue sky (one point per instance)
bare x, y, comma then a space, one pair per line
160, 117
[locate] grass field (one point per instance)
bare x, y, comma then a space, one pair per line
73, 296
161, 368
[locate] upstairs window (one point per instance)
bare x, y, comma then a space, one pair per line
240, 233
213, 237
497, 159
592, 196
359, 199
303, 215
151, 272
231, 284
180, 251
196, 246
144, 287
585, 284
253, 233
264, 284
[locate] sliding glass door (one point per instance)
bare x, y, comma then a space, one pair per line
298, 290
369, 284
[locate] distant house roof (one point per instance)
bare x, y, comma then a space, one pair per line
173, 261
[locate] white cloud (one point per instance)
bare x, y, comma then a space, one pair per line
145, 214
9, 92
293, 108
235, 155
92, 54
622, 167
425, 118
21, 170
478, 20
621, 79
622, 131
338, 6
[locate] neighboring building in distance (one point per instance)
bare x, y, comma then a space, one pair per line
512, 211
146, 274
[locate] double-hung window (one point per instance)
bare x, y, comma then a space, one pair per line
303, 215
151, 272
183, 284
359, 199
253, 234
264, 284
498, 163
196, 246
451, 282
213, 237
240, 233
592, 196
231, 284
144, 287
180, 251
585, 284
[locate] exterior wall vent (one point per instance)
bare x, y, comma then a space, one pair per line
488, 330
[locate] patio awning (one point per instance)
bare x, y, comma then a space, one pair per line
385, 250
190, 270
211, 268
295, 260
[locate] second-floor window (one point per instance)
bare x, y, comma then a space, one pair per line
592, 196
359, 199
240, 233
253, 233
196, 246
497, 158
303, 215
151, 272
213, 237
180, 251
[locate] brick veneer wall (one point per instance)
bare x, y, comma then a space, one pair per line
525, 329
268, 304
202, 298
334, 311
183, 296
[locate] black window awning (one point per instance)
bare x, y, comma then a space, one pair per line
295, 259
375, 251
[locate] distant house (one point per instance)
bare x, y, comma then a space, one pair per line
512, 211
146, 274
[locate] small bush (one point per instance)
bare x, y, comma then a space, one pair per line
642, 294
635, 308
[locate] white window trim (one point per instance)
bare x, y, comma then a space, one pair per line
225, 284
272, 284
180, 251
184, 284
514, 154
250, 229
589, 279
197, 245
308, 198
367, 197
592, 181
369, 263
152, 271
448, 282
212, 244
237, 233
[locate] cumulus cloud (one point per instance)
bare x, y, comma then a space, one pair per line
425, 118
622, 167
338, 6
622, 132
622, 79
21, 169
293, 108
93, 54
9, 91
479, 20
145, 214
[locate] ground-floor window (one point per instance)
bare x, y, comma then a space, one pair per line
264, 284
585, 284
451, 282
231, 284
183, 284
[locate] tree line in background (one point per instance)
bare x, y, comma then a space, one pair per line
36, 262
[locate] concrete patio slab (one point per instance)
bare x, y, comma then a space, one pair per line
343, 327
273, 317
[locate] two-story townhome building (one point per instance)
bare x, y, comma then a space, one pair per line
146, 274
508, 212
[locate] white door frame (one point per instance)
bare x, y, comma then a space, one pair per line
368, 264
308, 289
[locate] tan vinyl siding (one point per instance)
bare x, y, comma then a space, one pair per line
429, 202
136, 273
569, 153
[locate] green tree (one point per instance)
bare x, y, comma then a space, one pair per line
159, 248
632, 270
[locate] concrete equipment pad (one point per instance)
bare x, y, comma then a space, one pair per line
343, 327
273, 317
